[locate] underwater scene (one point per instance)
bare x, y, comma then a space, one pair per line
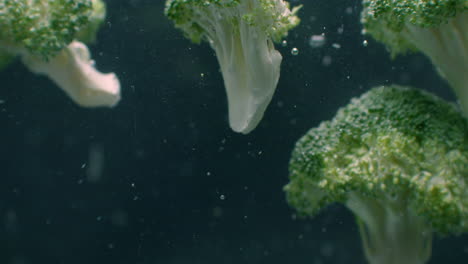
234, 131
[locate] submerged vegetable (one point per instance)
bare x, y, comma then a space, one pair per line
398, 159
45, 35
242, 33
438, 28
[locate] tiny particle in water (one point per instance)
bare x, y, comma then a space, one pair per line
2, 101
284, 43
365, 43
340, 30
327, 249
95, 164
326, 60
336, 45
294, 51
222, 197
317, 41
202, 75
217, 212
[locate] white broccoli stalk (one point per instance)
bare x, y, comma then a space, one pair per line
241, 32
250, 66
72, 69
391, 232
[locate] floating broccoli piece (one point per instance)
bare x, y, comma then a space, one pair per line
43, 34
398, 159
242, 33
438, 28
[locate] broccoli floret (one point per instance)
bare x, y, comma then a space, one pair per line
242, 33
44, 35
41, 27
398, 159
437, 28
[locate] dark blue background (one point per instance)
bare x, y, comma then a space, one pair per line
170, 157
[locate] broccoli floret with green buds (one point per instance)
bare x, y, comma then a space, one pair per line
45, 34
41, 27
242, 33
87, 33
437, 28
397, 158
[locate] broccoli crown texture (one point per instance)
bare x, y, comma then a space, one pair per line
196, 18
391, 142
96, 18
385, 19
41, 27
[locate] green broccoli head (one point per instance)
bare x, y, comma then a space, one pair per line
242, 33
41, 27
398, 159
387, 20
195, 17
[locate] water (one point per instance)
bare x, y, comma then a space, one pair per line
161, 178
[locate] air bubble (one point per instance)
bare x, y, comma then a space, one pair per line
294, 51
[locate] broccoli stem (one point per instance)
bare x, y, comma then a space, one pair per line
250, 74
250, 66
390, 232
447, 47
72, 69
